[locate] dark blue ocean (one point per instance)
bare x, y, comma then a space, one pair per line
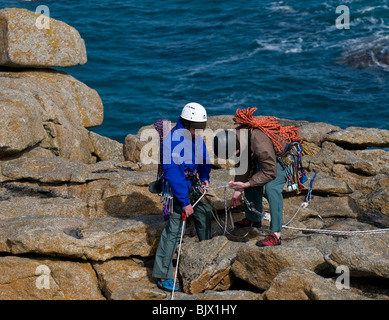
147, 59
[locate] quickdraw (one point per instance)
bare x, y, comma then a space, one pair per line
251, 207
291, 161
166, 199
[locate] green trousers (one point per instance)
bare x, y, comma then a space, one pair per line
273, 192
170, 237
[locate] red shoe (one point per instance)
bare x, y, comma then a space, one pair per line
247, 223
270, 240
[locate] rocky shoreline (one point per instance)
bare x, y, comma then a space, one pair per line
78, 203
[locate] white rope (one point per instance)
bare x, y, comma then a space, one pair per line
220, 187
200, 198
302, 205
338, 232
226, 210
305, 205
326, 231
218, 220
178, 258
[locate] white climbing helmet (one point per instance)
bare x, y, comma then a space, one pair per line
194, 112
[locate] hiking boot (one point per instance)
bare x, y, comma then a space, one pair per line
167, 285
247, 223
270, 240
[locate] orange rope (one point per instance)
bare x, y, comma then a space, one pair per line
269, 126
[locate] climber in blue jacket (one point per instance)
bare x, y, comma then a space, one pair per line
186, 167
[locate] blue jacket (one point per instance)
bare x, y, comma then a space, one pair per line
179, 156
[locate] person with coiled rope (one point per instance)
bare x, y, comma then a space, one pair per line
185, 168
264, 172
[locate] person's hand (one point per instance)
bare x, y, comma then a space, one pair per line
236, 199
237, 185
204, 186
188, 210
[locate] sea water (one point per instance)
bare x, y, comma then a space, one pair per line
289, 59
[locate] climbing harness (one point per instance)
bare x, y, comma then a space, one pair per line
198, 191
167, 196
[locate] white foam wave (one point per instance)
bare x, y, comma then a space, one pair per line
210, 66
369, 9
280, 7
378, 63
286, 46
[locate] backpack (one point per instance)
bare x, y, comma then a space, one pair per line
162, 126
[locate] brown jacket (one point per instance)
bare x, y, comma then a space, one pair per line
264, 153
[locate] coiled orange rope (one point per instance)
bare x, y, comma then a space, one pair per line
268, 125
